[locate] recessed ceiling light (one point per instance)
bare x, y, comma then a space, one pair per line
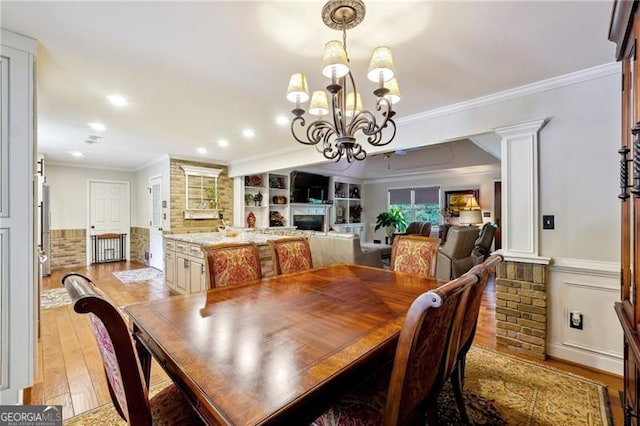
76, 153
282, 120
248, 133
117, 100
97, 126
223, 142
202, 150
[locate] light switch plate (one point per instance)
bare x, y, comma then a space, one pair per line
548, 222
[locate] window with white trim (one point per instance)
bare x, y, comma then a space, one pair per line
417, 204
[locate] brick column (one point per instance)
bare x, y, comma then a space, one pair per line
521, 308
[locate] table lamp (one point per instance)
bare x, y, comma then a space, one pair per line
471, 214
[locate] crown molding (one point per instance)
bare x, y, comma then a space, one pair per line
421, 174
593, 73
163, 157
89, 166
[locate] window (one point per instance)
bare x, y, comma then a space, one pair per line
417, 204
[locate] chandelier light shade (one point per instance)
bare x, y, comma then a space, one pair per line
319, 105
338, 112
298, 90
393, 95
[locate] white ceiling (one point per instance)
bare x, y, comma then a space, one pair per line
195, 72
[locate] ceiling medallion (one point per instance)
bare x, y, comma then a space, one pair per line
335, 135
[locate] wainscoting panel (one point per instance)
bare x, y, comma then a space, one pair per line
591, 288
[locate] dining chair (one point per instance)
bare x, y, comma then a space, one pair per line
127, 386
468, 331
418, 372
414, 254
231, 263
290, 255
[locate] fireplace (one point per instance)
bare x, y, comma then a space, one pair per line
310, 217
309, 222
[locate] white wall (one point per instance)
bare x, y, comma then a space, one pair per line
68, 193
141, 199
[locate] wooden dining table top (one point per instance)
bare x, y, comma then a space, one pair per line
280, 349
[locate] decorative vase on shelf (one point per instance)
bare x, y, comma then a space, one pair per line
251, 220
257, 199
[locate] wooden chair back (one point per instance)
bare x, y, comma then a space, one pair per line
231, 264
475, 300
421, 354
127, 387
290, 255
415, 254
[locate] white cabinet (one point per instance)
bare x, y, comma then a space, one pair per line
184, 267
201, 192
266, 198
170, 263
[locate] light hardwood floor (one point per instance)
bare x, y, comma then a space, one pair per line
70, 368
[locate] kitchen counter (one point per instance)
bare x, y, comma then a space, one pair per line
217, 237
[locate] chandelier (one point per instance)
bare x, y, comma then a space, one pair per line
335, 135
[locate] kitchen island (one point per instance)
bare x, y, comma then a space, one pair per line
184, 263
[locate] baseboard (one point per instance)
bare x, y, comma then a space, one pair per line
590, 359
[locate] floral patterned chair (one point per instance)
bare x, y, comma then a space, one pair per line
128, 387
424, 358
415, 255
231, 264
290, 255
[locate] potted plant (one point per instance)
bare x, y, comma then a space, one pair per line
248, 198
392, 220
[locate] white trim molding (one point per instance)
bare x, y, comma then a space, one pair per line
590, 287
520, 182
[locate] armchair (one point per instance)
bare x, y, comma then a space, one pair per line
483, 243
454, 256
415, 228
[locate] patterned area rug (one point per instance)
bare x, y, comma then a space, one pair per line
134, 275
499, 390
54, 298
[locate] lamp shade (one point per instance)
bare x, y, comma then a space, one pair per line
319, 105
394, 91
298, 90
472, 204
349, 104
334, 60
470, 217
381, 65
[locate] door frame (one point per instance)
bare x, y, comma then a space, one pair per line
88, 216
150, 217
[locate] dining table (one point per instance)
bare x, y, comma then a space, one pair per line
278, 350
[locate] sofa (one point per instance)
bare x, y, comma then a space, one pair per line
338, 247
415, 228
454, 256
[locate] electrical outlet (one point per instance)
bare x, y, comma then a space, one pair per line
575, 320
220, 215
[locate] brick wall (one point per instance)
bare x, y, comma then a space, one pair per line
68, 248
180, 225
139, 243
521, 308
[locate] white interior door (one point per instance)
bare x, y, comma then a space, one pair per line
108, 210
155, 223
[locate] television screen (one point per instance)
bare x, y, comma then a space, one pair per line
309, 187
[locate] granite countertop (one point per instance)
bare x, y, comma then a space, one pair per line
217, 237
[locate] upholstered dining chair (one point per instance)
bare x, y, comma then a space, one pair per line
290, 255
432, 326
468, 330
231, 264
415, 255
127, 385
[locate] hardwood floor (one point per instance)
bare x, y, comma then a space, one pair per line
70, 369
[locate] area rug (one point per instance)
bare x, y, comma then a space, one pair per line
134, 275
499, 390
54, 298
